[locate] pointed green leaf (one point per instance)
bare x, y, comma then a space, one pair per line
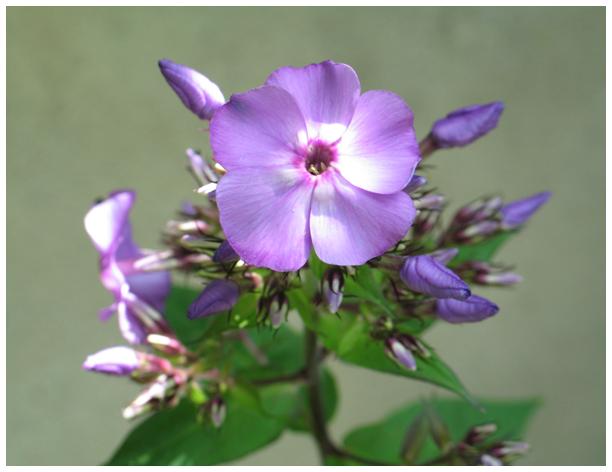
483, 250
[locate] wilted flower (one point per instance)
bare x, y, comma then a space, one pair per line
424, 274
217, 296
311, 163
472, 309
139, 296
197, 92
515, 214
465, 125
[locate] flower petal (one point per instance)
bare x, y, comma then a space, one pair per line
217, 296
379, 151
130, 326
151, 287
350, 226
105, 222
327, 94
259, 128
264, 214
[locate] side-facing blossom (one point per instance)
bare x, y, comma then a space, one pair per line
139, 296
465, 125
198, 93
313, 163
516, 213
217, 296
472, 309
425, 274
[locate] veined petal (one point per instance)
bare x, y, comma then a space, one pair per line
105, 222
379, 150
350, 226
327, 94
259, 128
264, 214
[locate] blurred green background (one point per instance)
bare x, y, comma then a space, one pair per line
88, 112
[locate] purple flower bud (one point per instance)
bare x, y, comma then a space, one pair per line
510, 448
431, 201
486, 459
502, 279
114, 361
517, 213
416, 182
333, 289
424, 222
473, 309
196, 91
400, 353
218, 411
477, 231
217, 296
200, 169
478, 434
225, 253
166, 344
444, 256
424, 274
277, 312
465, 125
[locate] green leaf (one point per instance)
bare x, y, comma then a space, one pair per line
483, 250
191, 332
290, 401
383, 441
317, 266
366, 284
175, 437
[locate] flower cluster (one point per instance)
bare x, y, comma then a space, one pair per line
313, 200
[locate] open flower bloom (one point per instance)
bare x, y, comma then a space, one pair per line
313, 163
139, 296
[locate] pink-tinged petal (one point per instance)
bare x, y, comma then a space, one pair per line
327, 94
105, 222
264, 214
379, 150
350, 226
259, 128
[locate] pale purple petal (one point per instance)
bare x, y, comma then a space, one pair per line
465, 125
105, 222
130, 326
516, 213
264, 214
259, 128
350, 226
113, 361
151, 287
379, 151
327, 94
473, 309
199, 94
217, 296
424, 274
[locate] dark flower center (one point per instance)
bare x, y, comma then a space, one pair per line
319, 157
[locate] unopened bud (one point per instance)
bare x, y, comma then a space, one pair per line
517, 213
424, 222
278, 310
502, 279
166, 344
430, 201
509, 448
152, 397
225, 253
333, 288
478, 434
477, 231
444, 256
400, 353
486, 459
200, 169
218, 411
218, 296
415, 183
478, 210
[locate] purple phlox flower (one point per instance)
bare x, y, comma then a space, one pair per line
225, 253
217, 296
118, 360
313, 163
465, 125
444, 256
197, 92
139, 296
515, 214
472, 309
333, 288
399, 352
415, 183
424, 274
